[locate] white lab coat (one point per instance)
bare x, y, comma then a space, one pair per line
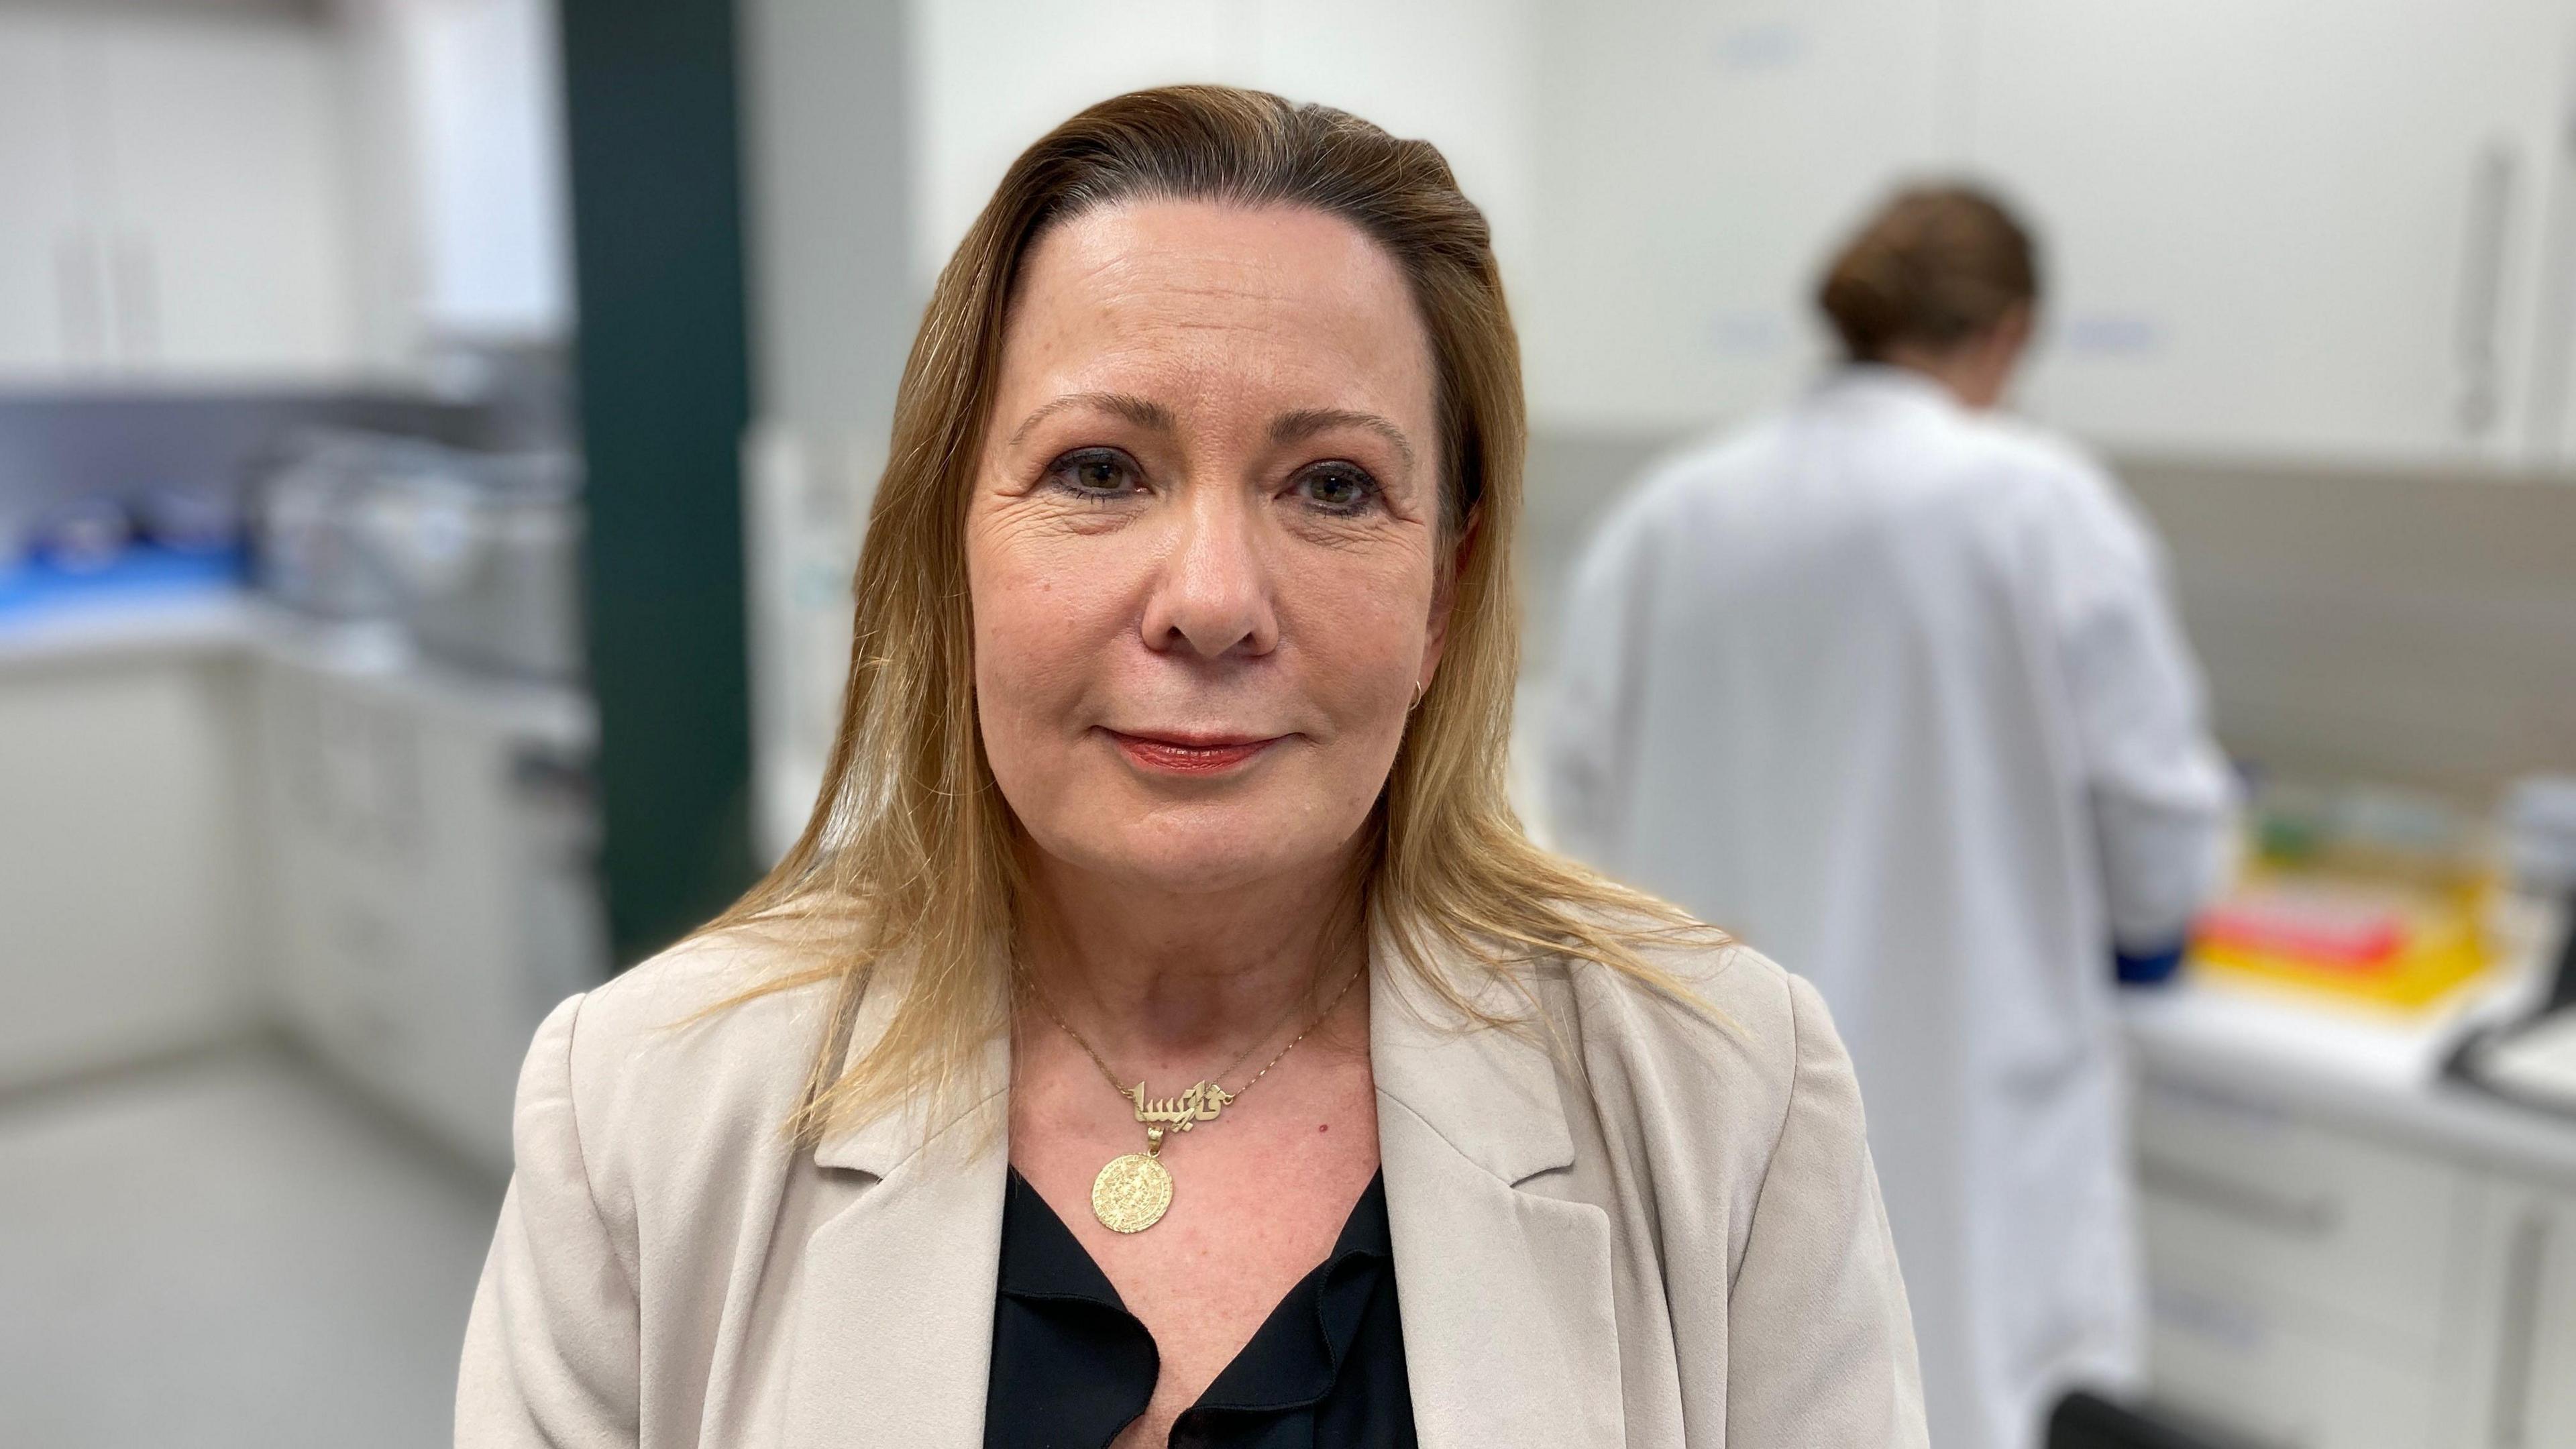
1894, 691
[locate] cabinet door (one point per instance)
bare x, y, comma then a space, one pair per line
2536, 1358
121, 874
226, 247
1696, 163
2513, 1383
51, 307
2281, 228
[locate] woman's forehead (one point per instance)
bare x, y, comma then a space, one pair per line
1189, 295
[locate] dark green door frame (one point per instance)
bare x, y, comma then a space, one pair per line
649, 98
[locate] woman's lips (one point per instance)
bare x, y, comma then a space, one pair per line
1183, 755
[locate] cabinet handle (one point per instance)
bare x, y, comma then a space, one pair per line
2523, 1264
2312, 1217
2554, 282
2482, 289
138, 300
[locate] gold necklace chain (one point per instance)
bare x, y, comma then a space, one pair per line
1111, 1077
1132, 1193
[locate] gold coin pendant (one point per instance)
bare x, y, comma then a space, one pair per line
1131, 1194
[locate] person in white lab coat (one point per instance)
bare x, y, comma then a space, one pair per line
1891, 686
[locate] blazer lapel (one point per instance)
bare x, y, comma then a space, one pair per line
1510, 1334
894, 1328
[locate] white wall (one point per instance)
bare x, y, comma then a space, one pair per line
492, 166
1698, 161
829, 177
994, 75
827, 101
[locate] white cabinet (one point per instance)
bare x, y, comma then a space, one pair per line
2324, 1287
2352, 1233
2299, 1277
227, 240
122, 873
2287, 228
434, 888
2550, 1380
2321, 230
1696, 163
52, 316
2221, 1357
2524, 1393
176, 199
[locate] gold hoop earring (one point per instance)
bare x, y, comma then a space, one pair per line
1418, 689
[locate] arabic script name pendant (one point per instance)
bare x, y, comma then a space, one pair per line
1133, 1192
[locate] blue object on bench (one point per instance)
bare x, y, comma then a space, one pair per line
143, 571
2148, 968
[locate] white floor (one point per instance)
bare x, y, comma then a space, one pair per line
228, 1251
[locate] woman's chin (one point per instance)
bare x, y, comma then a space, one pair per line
1191, 859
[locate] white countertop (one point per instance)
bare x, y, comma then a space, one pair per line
215, 624
2367, 1071
185, 621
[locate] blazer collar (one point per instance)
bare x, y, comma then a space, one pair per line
884, 1142
1490, 1094
894, 1319
1511, 1332
1509, 1329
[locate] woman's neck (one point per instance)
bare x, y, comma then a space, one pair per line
1143, 974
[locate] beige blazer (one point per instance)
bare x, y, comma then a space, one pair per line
1676, 1242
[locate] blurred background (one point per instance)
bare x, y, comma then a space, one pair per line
434, 434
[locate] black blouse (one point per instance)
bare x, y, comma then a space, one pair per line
1072, 1367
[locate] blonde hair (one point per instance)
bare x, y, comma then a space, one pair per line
908, 854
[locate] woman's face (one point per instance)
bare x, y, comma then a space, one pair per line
1202, 539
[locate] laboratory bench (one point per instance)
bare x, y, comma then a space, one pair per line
224, 819
2347, 1248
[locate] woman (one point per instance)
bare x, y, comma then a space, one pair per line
1163, 1031
1892, 686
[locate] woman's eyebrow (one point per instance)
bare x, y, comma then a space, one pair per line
1137, 410
1306, 422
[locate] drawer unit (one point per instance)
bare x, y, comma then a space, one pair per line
2226, 1355
434, 893
2245, 1195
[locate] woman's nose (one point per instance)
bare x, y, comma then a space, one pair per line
1213, 598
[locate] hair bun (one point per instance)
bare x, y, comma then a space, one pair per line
1935, 266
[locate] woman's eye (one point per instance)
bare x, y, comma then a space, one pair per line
1337, 488
1094, 473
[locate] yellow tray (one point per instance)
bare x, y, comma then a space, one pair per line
2445, 950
